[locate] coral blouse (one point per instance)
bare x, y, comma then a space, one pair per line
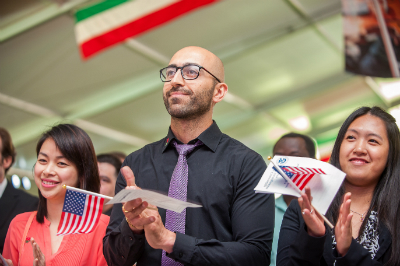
75, 249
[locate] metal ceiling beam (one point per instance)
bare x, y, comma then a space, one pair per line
298, 8
371, 83
47, 12
306, 91
244, 46
147, 52
31, 130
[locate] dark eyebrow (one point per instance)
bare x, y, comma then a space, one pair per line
44, 154
369, 134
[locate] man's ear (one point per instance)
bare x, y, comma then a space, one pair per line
7, 162
219, 92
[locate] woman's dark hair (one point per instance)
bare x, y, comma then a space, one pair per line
77, 148
385, 199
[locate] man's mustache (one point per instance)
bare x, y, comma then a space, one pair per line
179, 89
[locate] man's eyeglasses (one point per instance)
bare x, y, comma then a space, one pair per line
188, 72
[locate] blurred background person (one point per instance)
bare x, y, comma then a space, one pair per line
119, 154
12, 201
109, 166
291, 144
365, 210
65, 156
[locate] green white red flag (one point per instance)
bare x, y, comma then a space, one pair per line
112, 21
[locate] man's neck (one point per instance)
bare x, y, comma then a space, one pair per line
187, 130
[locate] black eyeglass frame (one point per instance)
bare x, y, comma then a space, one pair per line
200, 68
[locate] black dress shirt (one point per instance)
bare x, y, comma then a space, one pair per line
235, 225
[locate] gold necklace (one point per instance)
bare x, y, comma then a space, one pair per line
362, 215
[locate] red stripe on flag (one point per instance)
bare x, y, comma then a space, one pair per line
320, 171
99, 210
70, 219
87, 207
299, 179
93, 213
78, 220
140, 25
89, 214
306, 181
295, 177
60, 225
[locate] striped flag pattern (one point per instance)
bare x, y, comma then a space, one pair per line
301, 175
109, 22
81, 213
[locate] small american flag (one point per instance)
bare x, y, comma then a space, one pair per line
300, 175
81, 213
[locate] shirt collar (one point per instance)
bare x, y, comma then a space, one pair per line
210, 137
280, 203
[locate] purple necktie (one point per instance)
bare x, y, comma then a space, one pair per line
174, 221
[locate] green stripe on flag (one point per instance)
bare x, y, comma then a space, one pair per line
97, 8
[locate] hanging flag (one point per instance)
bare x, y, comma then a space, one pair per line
323, 179
112, 21
300, 175
81, 213
371, 30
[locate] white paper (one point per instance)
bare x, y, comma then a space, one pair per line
323, 187
154, 198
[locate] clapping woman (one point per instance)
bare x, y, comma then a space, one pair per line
65, 156
366, 208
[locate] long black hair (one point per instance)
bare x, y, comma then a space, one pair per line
385, 200
77, 148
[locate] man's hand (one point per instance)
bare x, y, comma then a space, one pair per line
135, 210
157, 235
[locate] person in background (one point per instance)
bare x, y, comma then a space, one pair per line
65, 156
119, 154
291, 144
366, 208
194, 162
12, 201
109, 166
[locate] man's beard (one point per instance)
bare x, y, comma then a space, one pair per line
197, 106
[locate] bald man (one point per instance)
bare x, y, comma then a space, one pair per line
235, 225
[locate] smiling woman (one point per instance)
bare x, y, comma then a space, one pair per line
65, 156
366, 208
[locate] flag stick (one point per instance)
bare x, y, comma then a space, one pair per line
297, 189
87, 192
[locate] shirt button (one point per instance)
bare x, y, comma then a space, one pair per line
130, 238
123, 257
180, 254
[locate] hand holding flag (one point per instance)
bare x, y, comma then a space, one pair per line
323, 179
